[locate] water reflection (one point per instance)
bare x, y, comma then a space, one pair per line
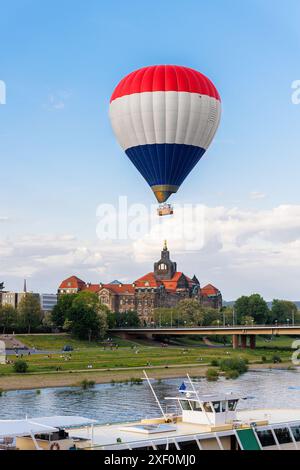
118, 403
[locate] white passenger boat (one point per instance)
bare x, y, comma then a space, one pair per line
192, 422
202, 422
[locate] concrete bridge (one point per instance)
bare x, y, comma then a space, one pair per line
240, 334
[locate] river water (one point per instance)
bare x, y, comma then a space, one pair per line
120, 403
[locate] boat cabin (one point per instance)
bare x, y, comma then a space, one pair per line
211, 410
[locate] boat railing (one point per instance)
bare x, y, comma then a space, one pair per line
152, 440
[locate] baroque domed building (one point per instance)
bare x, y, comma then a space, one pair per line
162, 287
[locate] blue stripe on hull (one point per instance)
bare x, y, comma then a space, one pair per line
165, 163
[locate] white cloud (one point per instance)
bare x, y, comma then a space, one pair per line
239, 250
257, 195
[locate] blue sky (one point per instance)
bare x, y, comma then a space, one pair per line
59, 159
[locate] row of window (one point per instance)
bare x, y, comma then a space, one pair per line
209, 407
283, 436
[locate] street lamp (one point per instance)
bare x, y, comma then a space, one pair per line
218, 323
288, 321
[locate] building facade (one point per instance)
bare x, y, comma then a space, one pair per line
47, 301
162, 287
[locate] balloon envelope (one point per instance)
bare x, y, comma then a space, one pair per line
165, 118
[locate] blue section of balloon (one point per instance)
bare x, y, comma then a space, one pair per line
162, 164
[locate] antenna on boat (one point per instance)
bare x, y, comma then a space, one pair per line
155, 396
198, 398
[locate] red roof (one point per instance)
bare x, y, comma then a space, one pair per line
209, 290
118, 288
72, 282
149, 280
92, 288
173, 283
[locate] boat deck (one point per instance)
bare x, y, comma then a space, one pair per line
120, 434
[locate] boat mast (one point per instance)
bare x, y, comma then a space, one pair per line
155, 396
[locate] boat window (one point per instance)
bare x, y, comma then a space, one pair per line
266, 438
232, 404
207, 407
150, 447
170, 446
196, 406
217, 406
296, 432
185, 405
223, 406
42, 437
188, 445
283, 435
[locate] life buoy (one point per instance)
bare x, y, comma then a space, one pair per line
55, 446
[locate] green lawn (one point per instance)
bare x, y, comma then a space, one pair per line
52, 342
85, 354
275, 342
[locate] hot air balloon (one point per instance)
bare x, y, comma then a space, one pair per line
165, 117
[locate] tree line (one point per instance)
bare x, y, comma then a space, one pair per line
85, 317
246, 310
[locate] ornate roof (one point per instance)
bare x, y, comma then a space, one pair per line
210, 290
72, 282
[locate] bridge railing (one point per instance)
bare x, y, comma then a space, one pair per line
209, 327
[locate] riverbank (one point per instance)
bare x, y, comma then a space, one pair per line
71, 379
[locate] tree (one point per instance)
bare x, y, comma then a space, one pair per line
123, 319
241, 308
47, 322
87, 316
282, 310
1, 286
62, 309
210, 316
228, 315
253, 306
190, 312
165, 316
8, 318
29, 312
247, 320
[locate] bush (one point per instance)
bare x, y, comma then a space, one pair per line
21, 367
276, 359
212, 375
232, 374
263, 359
85, 384
214, 363
236, 364
136, 381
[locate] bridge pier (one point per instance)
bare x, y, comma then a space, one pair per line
244, 341
252, 341
235, 341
